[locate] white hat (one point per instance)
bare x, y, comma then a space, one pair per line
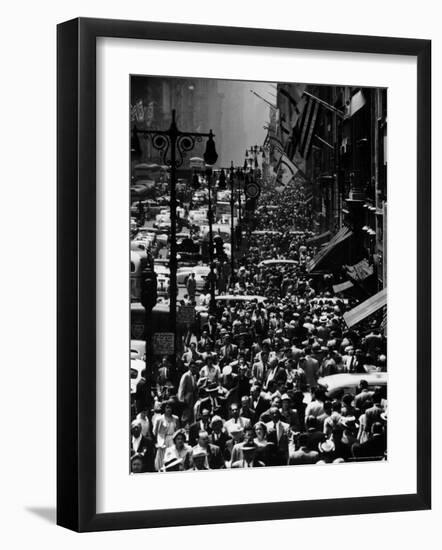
326, 446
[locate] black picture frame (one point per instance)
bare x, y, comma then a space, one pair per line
76, 273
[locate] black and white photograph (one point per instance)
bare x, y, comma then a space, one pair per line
258, 274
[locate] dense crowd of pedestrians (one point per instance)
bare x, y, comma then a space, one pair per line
245, 391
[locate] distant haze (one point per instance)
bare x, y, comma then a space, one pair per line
243, 118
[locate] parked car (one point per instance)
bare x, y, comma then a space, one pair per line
201, 273
136, 368
137, 349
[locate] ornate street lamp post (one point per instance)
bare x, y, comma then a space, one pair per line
212, 277
174, 146
232, 225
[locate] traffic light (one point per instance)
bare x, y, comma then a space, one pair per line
222, 180
149, 289
219, 248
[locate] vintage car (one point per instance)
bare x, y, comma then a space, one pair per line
336, 385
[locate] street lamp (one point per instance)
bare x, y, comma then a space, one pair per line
241, 178
209, 175
174, 146
232, 226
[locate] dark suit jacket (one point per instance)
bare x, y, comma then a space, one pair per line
231, 353
147, 449
194, 431
375, 446
215, 457
221, 441
261, 406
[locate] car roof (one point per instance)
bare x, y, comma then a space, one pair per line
138, 364
275, 262
234, 297
342, 380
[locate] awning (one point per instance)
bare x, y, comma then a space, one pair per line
342, 286
342, 235
318, 239
367, 308
360, 271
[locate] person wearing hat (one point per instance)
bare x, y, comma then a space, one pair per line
236, 453
327, 450
236, 436
179, 450
199, 460
214, 457
249, 457
218, 435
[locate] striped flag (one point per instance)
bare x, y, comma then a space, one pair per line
286, 170
305, 128
292, 100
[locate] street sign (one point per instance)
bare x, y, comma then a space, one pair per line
163, 343
252, 190
186, 314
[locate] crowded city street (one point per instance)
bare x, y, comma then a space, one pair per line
258, 334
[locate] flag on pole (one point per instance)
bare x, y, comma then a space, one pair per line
287, 170
355, 103
295, 96
304, 130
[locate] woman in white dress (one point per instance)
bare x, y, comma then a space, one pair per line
163, 430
